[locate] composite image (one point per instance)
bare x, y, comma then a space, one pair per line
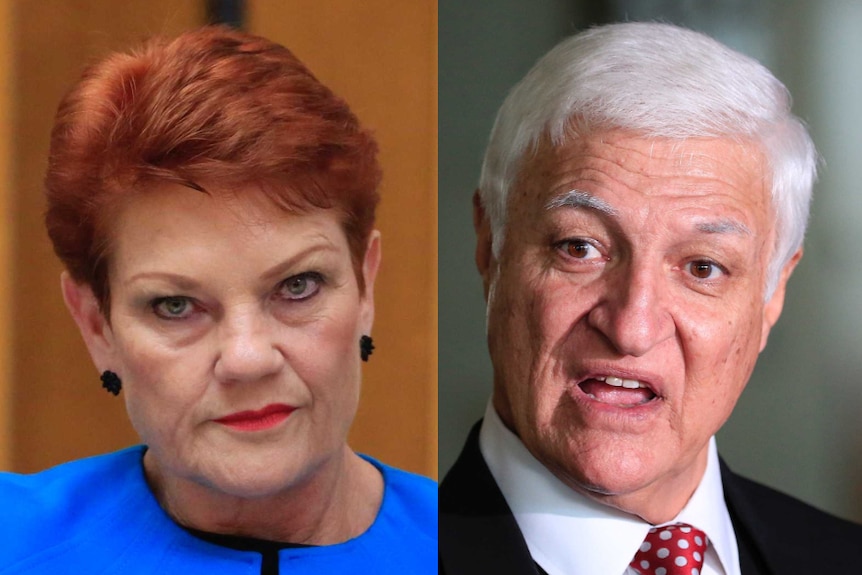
527, 287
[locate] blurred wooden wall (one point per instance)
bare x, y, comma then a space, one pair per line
379, 55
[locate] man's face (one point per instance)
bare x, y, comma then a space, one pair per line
626, 310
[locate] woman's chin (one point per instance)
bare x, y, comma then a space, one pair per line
247, 473
252, 477
245, 486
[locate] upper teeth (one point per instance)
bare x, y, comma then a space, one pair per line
620, 382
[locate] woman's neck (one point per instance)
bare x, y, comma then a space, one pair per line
338, 502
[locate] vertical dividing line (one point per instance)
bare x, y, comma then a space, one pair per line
230, 12
7, 191
434, 406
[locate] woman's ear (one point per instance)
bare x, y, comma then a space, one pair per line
370, 265
94, 327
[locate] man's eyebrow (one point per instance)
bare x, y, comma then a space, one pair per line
724, 226
580, 199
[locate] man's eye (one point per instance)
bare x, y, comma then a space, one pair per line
580, 249
301, 286
173, 307
705, 270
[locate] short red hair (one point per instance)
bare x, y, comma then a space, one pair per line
212, 106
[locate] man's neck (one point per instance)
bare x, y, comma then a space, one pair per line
552, 515
655, 502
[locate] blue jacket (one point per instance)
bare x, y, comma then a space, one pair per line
98, 516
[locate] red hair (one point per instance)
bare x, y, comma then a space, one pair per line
212, 105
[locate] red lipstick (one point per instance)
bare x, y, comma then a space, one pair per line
257, 420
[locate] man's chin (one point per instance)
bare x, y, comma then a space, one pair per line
632, 483
607, 484
609, 473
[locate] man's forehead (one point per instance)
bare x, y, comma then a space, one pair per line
578, 172
642, 153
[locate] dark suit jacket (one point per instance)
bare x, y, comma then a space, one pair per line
776, 534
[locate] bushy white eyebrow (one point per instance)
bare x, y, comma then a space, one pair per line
580, 199
724, 226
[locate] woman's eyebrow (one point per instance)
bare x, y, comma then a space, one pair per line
317, 244
179, 281
320, 244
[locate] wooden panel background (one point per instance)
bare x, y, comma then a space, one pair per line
380, 55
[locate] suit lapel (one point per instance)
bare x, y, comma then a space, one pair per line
747, 524
787, 536
478, 533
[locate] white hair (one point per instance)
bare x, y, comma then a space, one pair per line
661, 81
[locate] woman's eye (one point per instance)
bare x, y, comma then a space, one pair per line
705, 270
301, 286
173, 307
580, 249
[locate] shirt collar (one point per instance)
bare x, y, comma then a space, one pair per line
567, 532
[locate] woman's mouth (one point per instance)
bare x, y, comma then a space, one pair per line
257, 420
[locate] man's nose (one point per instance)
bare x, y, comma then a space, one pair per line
633, 313
247, 347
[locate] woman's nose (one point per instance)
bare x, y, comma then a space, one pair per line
247, 347
633, 311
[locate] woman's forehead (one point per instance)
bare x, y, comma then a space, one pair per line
170, 225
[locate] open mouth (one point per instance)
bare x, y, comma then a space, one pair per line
617, 391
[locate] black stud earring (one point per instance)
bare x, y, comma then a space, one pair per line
111, 382
366, 347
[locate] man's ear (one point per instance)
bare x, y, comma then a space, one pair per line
485, 261
92, 324
772, 309
370, 266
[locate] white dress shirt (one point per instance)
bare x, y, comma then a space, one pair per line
569, 534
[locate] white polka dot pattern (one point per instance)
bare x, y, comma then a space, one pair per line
671, 550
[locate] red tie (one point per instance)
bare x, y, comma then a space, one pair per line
671, 550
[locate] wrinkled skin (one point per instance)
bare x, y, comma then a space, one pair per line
222, 304
654, 272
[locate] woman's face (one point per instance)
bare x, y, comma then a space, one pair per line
234, 328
